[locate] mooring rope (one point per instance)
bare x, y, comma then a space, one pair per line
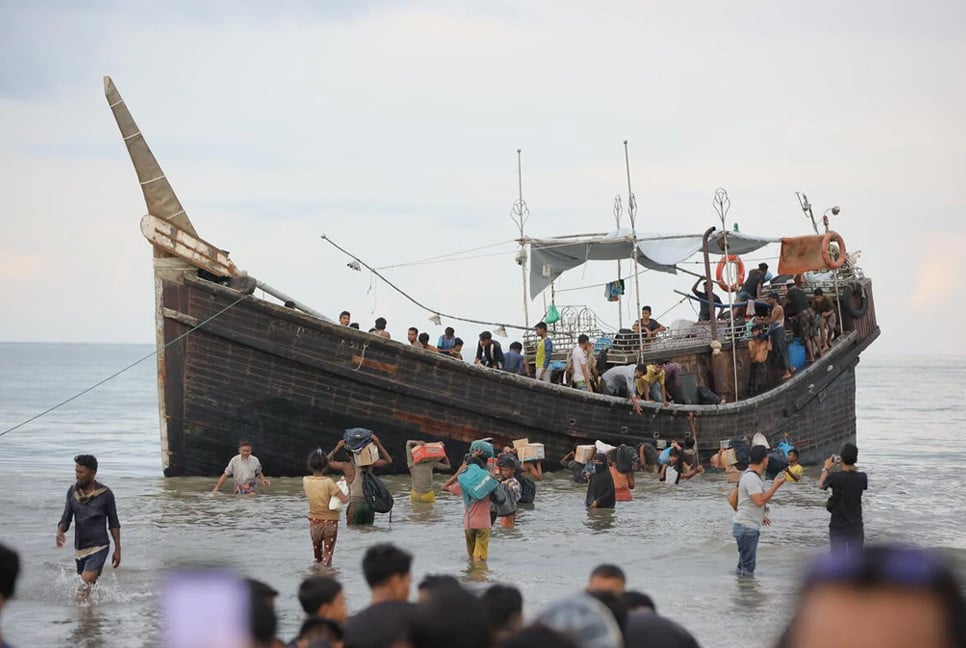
127, 368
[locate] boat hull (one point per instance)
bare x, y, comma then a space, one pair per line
289, 383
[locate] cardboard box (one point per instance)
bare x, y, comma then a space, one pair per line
728, 457
584, 453
520, 443
367, 456
429, 452
531, 452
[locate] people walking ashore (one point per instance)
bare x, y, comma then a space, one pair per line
90, 504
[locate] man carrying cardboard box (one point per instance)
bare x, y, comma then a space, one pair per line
422, 474
358, 511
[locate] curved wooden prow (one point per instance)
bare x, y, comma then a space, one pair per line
158, 194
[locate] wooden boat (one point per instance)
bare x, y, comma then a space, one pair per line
234, 366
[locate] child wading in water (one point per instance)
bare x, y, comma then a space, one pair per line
323, 520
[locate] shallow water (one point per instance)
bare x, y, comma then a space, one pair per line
673, 542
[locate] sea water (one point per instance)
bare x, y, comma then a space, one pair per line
673, 542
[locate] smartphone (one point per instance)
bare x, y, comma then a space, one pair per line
836, 459
205, 608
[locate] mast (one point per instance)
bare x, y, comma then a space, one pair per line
632, 212
519, 213
159, 197
722, 204
618, 208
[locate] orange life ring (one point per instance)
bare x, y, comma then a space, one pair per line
831, 263
725, 260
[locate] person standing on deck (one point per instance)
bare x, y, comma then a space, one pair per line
358, 511
489, 353
91, 505
776, 331
544, 350
583, 379
422, 474
245, 469
515, 362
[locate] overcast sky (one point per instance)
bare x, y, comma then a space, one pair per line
393, 129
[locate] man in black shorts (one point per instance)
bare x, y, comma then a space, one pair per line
91, 504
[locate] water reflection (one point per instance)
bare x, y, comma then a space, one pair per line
600, 519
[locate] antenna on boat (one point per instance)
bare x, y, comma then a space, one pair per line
632, 212
807, 209
520, 213
618, 209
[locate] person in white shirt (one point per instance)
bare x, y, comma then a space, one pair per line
245, 469
622, 381
581, 368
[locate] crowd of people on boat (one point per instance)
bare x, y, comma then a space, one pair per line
763, 314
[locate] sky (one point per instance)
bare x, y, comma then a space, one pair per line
393, 129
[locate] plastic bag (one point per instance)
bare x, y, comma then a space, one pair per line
552, 315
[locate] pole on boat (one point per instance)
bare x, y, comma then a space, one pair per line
618, 208
722, 204
520, 213
632, 212
708, 285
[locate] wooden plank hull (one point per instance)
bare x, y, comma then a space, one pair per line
289, 383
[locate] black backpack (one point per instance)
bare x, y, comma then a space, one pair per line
528, 489
742, 450
777, 462
625, 459
377, 495
502, 502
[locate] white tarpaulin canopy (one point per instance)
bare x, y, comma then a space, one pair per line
549, 258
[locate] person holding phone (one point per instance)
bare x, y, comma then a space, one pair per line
752, 510
846, 531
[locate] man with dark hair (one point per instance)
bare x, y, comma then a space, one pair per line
514, 360
607, 578
544, 350
91, 505
649, 327
262, 620
638, 602
387, 571
504, 606
622, 381
380, 328
776, 332
488, 352
412, 336
751, 289
245, 470
453, 618
9, 570
704, 310
447, 340
318, 632
846, 531
422, 474
433, 584
580, 364
652, 384
752, 510
344, 318
423, 342
888, 597
322, 596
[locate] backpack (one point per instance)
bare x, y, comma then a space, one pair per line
502, 501
476, 483
357, 438
377, 495
777, 463
528, 489
742, 450
625, 459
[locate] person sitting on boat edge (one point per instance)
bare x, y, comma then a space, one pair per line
246, 470
622, 381
412, 336
826, 320
344, 318
423, 342
380, 328
447, 340
422, 474
489, 353
544, 351
514, 360
652, 383
358, 511
650, 327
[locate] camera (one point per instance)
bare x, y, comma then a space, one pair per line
836, 459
